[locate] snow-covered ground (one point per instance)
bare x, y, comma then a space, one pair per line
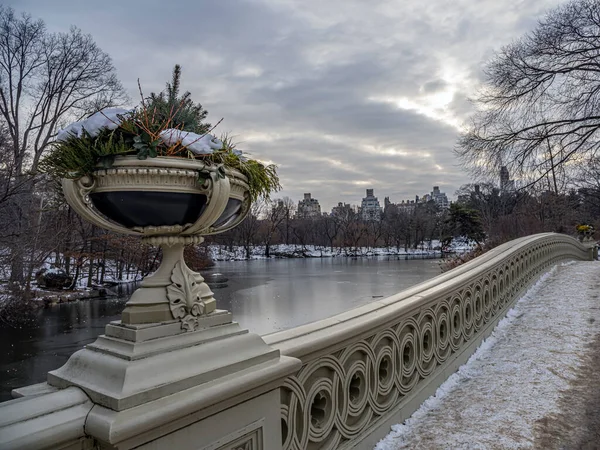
511, 388
110, 273
223, 253
433, 247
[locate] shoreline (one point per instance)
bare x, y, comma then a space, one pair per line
238, 253
45, 297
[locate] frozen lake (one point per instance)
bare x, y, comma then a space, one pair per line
264, 296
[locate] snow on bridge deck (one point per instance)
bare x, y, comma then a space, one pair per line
534, 383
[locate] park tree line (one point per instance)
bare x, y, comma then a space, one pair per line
481, 213
274, 222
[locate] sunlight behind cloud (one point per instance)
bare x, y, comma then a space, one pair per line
440, 100
435, 97
392, 151
432, 106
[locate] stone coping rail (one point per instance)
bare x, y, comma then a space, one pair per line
371, 367
44, 418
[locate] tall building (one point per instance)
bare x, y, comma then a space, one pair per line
506, 184
440, 198
387, 205
370, 208
504, 176
308, 208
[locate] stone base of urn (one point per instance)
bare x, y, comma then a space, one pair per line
159, 386
173, 291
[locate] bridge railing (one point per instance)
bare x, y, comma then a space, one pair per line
353, 375
371, 367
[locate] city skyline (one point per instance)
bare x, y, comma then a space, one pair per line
310, 201
316, 87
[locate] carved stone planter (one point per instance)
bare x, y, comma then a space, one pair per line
169, 202
586, 236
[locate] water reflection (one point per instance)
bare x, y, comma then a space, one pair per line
264, 296
28, 354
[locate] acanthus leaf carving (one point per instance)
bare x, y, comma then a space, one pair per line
185, 296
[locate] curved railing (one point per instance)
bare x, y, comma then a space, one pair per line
373, 366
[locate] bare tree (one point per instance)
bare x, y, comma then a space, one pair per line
423, 222
45, 79
329, 227
375, 230
302, 232
9, 186
540, 107
352, 230
289, 208
588, 183
247, 231
275, 213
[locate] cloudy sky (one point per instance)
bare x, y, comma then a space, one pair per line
343, 95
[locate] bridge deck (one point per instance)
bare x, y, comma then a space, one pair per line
534, 383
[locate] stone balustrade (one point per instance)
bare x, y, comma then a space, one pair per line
352, 375
371, 367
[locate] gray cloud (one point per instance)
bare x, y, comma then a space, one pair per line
434, 86
342, 94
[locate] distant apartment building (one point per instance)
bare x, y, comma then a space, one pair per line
440, 198
342, 210
388, 206
308, 208
409, 206
370, 208
405, 206
470, 197
279, 209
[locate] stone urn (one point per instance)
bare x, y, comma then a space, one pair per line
169, 202
586, 235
